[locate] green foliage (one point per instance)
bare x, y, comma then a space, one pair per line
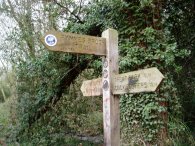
5, 87
91, 124
180, 22
180, 134
141, 46
37, 82
143, 111
143, 43
145, 3
6, 118
5, 92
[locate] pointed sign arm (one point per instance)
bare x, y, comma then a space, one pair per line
146, 80
74, 43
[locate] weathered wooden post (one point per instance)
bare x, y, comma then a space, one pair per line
111, 111
111, 84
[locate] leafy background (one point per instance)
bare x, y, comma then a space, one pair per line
42, 89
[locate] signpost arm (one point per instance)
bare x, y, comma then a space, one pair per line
111, 110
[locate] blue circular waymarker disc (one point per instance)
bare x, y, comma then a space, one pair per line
50, 40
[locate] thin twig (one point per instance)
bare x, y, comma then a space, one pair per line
80, 6
76, 16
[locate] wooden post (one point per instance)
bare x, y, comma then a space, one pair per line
111, 114
113, 84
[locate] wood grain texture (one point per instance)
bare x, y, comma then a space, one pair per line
146, 80
76, 43
92, 87
111, 114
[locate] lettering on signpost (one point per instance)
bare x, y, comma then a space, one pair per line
146, 80
111, 84
75, 43
92, 87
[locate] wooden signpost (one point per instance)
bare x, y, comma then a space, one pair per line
111, 84
146, 80
92, 87
74, 43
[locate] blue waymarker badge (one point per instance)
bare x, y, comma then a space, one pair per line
50, 40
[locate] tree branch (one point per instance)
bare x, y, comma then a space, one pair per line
76, 16
191, 39
81, 1
29, 42
64, 83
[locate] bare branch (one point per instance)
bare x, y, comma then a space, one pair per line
81, 1
73, 14
13, 13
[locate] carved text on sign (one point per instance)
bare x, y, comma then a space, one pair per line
76, 43
146, 80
